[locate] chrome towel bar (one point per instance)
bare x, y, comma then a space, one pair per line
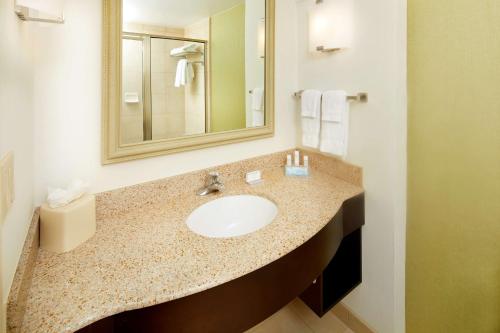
360, 97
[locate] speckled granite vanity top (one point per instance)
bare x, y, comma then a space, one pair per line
144, 254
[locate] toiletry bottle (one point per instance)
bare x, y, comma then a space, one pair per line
297, 158
306, 161
289, 160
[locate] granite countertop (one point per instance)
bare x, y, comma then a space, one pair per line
147, 255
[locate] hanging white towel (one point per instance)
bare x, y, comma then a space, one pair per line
180, 73
258, 99
335, 123
184, 73
311, 103
310, 112
258, 118
333, 105
189, 73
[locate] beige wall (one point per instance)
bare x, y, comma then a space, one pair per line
195, 92
68, 133
453, 263
376, 64
152, 29
175, 111
255, 12
16, 134
132, 115
168, 102
61, 94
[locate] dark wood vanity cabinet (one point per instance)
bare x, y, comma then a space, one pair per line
339, 278
344, 272
331, 258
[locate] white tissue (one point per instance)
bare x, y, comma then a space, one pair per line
59, 197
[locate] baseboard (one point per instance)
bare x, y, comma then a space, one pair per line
350, 319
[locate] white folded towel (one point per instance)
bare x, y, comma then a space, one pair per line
184, 73
335, 123
311, 110
189, 73
190, 48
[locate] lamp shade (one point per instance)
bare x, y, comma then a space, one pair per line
330, 25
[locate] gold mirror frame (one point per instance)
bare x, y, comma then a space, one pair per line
113, 151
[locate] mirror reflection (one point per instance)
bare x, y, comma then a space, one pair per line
191, 67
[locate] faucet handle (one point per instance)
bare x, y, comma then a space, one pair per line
213, 176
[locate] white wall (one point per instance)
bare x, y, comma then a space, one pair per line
16, 133
375, 64
255, 12
197, 104
67, 98
68, 107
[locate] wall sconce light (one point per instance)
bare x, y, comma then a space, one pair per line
46, 11
330, 25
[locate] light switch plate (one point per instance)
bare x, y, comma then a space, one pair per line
6, 184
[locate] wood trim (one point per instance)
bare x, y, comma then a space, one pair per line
354, 214
114, 152
147, 105
242, 303
350, 319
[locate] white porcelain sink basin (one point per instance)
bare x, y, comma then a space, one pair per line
232, 216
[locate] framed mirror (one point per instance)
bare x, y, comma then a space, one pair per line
184, 75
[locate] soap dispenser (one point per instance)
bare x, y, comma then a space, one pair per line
297, 170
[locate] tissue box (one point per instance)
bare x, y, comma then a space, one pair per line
63, 229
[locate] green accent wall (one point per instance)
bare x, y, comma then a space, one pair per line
453, 230
227, 57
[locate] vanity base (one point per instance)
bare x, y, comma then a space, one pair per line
339, 278
242, 303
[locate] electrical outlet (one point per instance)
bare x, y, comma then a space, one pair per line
6, 184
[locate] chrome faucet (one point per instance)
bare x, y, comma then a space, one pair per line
214, 184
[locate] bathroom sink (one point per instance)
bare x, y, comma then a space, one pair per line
232, 216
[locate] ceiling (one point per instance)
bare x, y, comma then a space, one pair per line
173, 13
